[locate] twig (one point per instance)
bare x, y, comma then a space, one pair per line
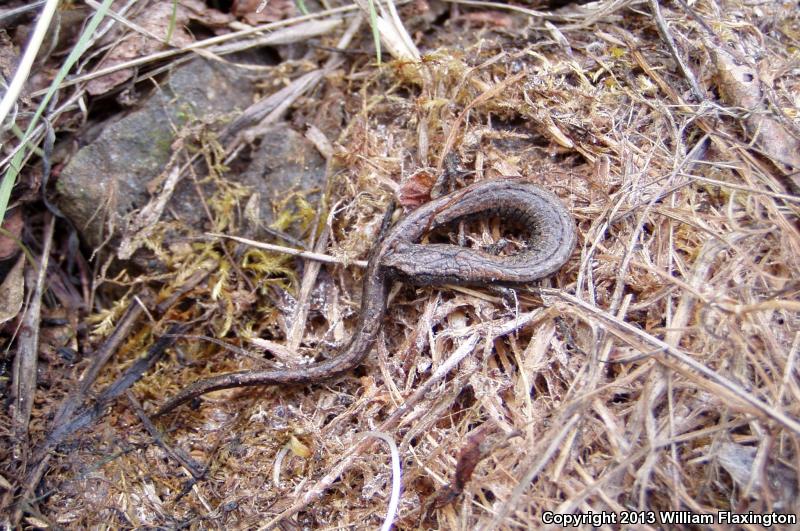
25, 361
112, 343
391, 30
266, 112
663, 30
197, 471
20, 10
88, 415
301, 32
101, 357
543, 452
315, 492
510, 7
125, 22
64, 422
300, 314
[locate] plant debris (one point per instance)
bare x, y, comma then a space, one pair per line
656, 372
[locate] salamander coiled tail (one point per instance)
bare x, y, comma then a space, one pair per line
399, 256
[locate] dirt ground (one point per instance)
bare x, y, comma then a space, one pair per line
651, 381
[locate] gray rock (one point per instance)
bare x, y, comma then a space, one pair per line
109, 177
284, 161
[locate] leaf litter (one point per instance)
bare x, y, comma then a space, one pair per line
656, 371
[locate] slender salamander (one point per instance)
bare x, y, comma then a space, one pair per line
398, 256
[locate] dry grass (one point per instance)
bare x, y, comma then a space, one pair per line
656, 371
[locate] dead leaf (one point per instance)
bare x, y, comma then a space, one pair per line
494, 19
740, 85
156, 20
299, 448
416, 189
506, 167
469, 457
739, 460
9, 238
198, 10
36, 522
275, 10
12, 291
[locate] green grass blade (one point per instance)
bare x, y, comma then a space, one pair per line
301, 5
172, 22
373, 22
14, 165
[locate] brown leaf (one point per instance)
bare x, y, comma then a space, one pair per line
9, 55
12, 291
12, 228
741, 85
416, 189
199, 11
156, 20
494, 19
469, 457
275, 10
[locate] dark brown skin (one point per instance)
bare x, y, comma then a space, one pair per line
397, 256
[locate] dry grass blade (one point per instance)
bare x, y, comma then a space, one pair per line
23, 69
288, 250
394, 499
655, 373
735, 391
392, 32
15, 163
199, 45
546, 448
455, 128
670, 42
261, 115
